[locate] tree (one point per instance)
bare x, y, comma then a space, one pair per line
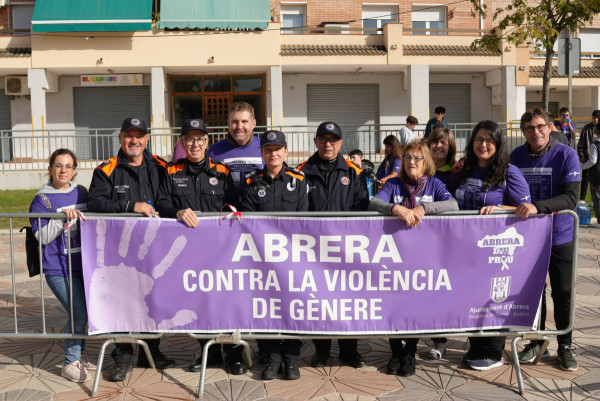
538, 23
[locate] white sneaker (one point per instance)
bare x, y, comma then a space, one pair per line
85, 361
74, 372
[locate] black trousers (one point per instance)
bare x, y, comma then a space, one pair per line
347, 346
409, 348
585, 174
560, 272
123, 352
488, 347
289, 349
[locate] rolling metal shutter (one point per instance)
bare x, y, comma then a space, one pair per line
354, 107
456, 98
106, 107
5, 128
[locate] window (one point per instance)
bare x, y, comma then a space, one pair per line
590, 42
428, 17
377, 16
21, 14
292, 16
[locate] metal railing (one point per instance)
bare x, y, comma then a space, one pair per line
30, 150
16, 258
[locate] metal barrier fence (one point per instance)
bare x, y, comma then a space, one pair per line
30, 150
239, 338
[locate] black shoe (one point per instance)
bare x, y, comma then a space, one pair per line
214, 358
119, 373
319, 360
237, 367
291, 371
270, 371
160, 361
353, 359
407, 367
393, 365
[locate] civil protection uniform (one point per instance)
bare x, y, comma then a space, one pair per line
202, 187
335, 186
116, 187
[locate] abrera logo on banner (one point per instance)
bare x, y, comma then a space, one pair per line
504, 246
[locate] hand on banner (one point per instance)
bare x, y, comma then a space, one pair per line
487, 209
411, 218
144, 208
525, 210
188, 217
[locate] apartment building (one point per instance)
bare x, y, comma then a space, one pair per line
73, 66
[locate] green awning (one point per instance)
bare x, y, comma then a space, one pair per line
214, 14
92, 16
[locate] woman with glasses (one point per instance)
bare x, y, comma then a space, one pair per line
486, 183
61, 194
412, 195
390, 166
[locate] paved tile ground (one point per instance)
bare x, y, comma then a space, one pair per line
30, 369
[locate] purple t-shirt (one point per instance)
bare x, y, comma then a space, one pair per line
434, 191
55, 254
545, 174
513, 192
393, 167
239, 159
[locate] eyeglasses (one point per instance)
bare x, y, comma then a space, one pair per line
408, 158
323, 140
200, 140
59, 166
566, 115
488, 141
530, 129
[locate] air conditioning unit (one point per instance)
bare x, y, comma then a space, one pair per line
16, 85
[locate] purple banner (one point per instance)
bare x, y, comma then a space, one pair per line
314, 275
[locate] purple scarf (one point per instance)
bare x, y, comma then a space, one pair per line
413, 189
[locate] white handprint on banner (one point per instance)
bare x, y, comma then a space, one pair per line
123, 299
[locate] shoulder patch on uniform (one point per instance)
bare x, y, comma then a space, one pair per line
108, 166
160, 160
172, 169
250, 174
354, 166
301, 166
296, 174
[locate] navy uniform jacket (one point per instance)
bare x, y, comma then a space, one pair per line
346, 190
206, 191
116, 187
284, 193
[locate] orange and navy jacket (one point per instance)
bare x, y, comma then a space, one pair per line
285, 193
116, 186
344, 189
205, 190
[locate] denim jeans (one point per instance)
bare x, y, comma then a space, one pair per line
60, 287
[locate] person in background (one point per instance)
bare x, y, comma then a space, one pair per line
565, 125
129, 183
439, 119
276, 188
552, 172
334, 184
488, 182
411, 196
390, 166
407, 133
592, 168
356, 157
442, 146
61, 194
587, 135
240, 151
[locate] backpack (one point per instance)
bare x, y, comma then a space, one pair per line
32, 245
594, 174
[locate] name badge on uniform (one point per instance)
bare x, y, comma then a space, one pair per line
213, 181
345, 180
261, 193
121, 189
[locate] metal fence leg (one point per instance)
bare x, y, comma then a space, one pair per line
517, 364
203, 371
99, 367
248, 353
143, 344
